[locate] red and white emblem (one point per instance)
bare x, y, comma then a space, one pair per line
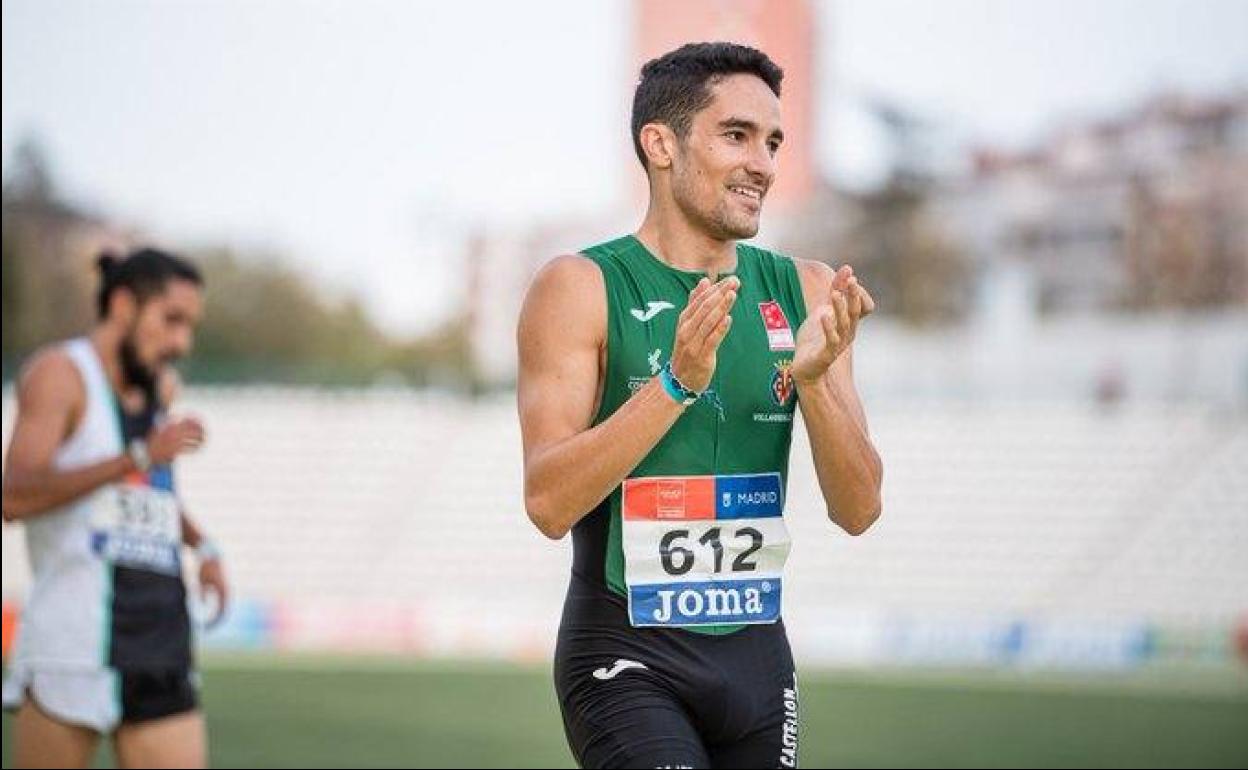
779, 334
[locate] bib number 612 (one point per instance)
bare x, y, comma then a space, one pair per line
678, 559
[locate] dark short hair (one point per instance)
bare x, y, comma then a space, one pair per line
676, 85
145, 273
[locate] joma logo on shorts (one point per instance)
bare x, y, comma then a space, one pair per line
710, 603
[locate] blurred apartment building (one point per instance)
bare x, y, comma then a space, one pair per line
1144, 210
66, 241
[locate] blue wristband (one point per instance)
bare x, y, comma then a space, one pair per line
679, 393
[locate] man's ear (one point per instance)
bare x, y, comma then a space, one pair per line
658, 141
123, 305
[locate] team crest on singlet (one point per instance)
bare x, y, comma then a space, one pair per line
782, 382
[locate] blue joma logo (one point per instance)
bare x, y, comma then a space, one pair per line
710, 602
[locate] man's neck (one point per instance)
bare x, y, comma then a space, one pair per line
669, 235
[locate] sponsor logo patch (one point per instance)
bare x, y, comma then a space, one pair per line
779, 333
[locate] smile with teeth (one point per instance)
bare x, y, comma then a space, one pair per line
749, 192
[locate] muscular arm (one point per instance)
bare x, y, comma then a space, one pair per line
170, 388
50, 398
848, 467
212, 581
570, 467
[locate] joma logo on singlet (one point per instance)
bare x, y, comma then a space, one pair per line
710, 603
652, 309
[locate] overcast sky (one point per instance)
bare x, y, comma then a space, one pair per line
362, 139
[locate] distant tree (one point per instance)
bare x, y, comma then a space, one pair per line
264, 320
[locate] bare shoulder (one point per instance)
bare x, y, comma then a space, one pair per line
567, 273
568, 292
50, 386
816, 278
50, 371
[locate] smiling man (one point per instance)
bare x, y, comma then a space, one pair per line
659, 376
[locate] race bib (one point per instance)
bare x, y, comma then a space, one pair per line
704, 550
137, 525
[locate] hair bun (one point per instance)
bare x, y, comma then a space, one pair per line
106, 262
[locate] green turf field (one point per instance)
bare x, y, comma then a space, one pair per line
324, 712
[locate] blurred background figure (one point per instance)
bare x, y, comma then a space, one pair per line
104, 648
1048, 200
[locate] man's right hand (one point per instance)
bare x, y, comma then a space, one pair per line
174, 438
702, 325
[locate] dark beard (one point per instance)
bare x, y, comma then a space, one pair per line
715, 223
137, 375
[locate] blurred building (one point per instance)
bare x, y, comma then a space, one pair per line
785, 31
46, 290
1145, 210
